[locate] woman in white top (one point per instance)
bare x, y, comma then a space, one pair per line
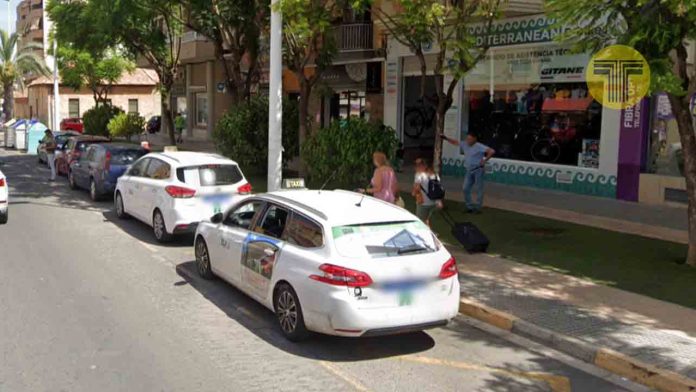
424, 206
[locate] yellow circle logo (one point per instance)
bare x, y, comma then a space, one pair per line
618, 76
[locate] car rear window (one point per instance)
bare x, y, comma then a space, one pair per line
209, 175
386, 239
126, 157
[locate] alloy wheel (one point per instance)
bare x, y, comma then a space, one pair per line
158, 225
202, 258
286, 310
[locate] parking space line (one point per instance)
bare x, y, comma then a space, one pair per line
556, 383
337, 372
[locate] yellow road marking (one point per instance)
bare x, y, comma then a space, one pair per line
556, 383
350, 380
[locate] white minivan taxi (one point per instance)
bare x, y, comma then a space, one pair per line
173, 191
333, 262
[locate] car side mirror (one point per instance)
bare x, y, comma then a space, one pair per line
217, 218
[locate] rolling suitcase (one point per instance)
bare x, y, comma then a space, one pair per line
471, 238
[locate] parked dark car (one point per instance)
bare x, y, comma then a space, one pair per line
72, 124
154, 124
61, 139
101, 165
72, 150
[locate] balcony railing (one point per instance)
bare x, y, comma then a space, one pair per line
354, 37
192, 36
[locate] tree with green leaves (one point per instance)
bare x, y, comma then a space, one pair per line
658, 30
445, 25
308, 42
15, 63
150, 30
235, 29
81, 69
87, 58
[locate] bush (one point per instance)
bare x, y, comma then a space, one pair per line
126, 125
346, 148
242, 133
96, 120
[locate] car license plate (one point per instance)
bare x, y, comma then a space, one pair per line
404, 290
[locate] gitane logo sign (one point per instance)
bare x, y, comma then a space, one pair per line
618, 76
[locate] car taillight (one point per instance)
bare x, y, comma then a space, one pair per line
244, 189
2, 182
449, 269
340, 276
179, 192
107, 161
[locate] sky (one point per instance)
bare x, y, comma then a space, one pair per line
13, 14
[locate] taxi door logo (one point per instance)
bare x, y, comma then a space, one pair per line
618, 77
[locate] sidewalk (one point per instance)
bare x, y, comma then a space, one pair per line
197, 143
596, 316
667, 223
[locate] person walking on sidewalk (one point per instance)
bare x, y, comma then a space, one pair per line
425, 206
475, 157
50, 145
179, 125
384, 184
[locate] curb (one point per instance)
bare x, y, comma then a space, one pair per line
602, 357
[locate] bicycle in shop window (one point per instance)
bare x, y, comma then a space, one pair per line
419, 118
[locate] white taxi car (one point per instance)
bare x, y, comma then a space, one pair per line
333, 262
173, 191
4, 199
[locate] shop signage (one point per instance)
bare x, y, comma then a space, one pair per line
531, 64
517, 31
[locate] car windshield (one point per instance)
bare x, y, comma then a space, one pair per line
210, 175
386, 239
126, 157
62, 139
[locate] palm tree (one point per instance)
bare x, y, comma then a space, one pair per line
15, 63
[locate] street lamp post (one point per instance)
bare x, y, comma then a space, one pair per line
275, 102
56, 88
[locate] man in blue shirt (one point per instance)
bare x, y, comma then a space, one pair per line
475, 157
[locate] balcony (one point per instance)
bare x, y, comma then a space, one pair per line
354, 37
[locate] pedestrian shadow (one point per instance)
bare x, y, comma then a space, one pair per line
262, 322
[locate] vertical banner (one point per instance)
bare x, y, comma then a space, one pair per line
392, 74
632, 139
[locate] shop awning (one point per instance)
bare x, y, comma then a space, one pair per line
566, 104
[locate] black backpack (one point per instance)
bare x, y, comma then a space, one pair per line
435, 190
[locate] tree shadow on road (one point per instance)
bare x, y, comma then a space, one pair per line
262, 322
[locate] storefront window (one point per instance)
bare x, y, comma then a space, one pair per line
351, 104
532, 104
546, 122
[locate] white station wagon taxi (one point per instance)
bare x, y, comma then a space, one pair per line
333, 262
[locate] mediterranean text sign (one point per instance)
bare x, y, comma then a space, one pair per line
618, 77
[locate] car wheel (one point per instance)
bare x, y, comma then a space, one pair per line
203, 259
71, 180
93, 194
159, 228
289, 313
120, 210
4, 216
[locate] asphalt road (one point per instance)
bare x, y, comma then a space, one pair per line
91, 303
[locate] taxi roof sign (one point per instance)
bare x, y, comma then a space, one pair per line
294, 183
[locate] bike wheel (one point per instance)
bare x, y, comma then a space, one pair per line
545, 150
414, 123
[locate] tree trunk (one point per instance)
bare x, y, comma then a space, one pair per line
305, 91
680, 108
8, 105
440, 113
167, 115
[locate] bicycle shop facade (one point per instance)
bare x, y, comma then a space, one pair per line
529, 101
